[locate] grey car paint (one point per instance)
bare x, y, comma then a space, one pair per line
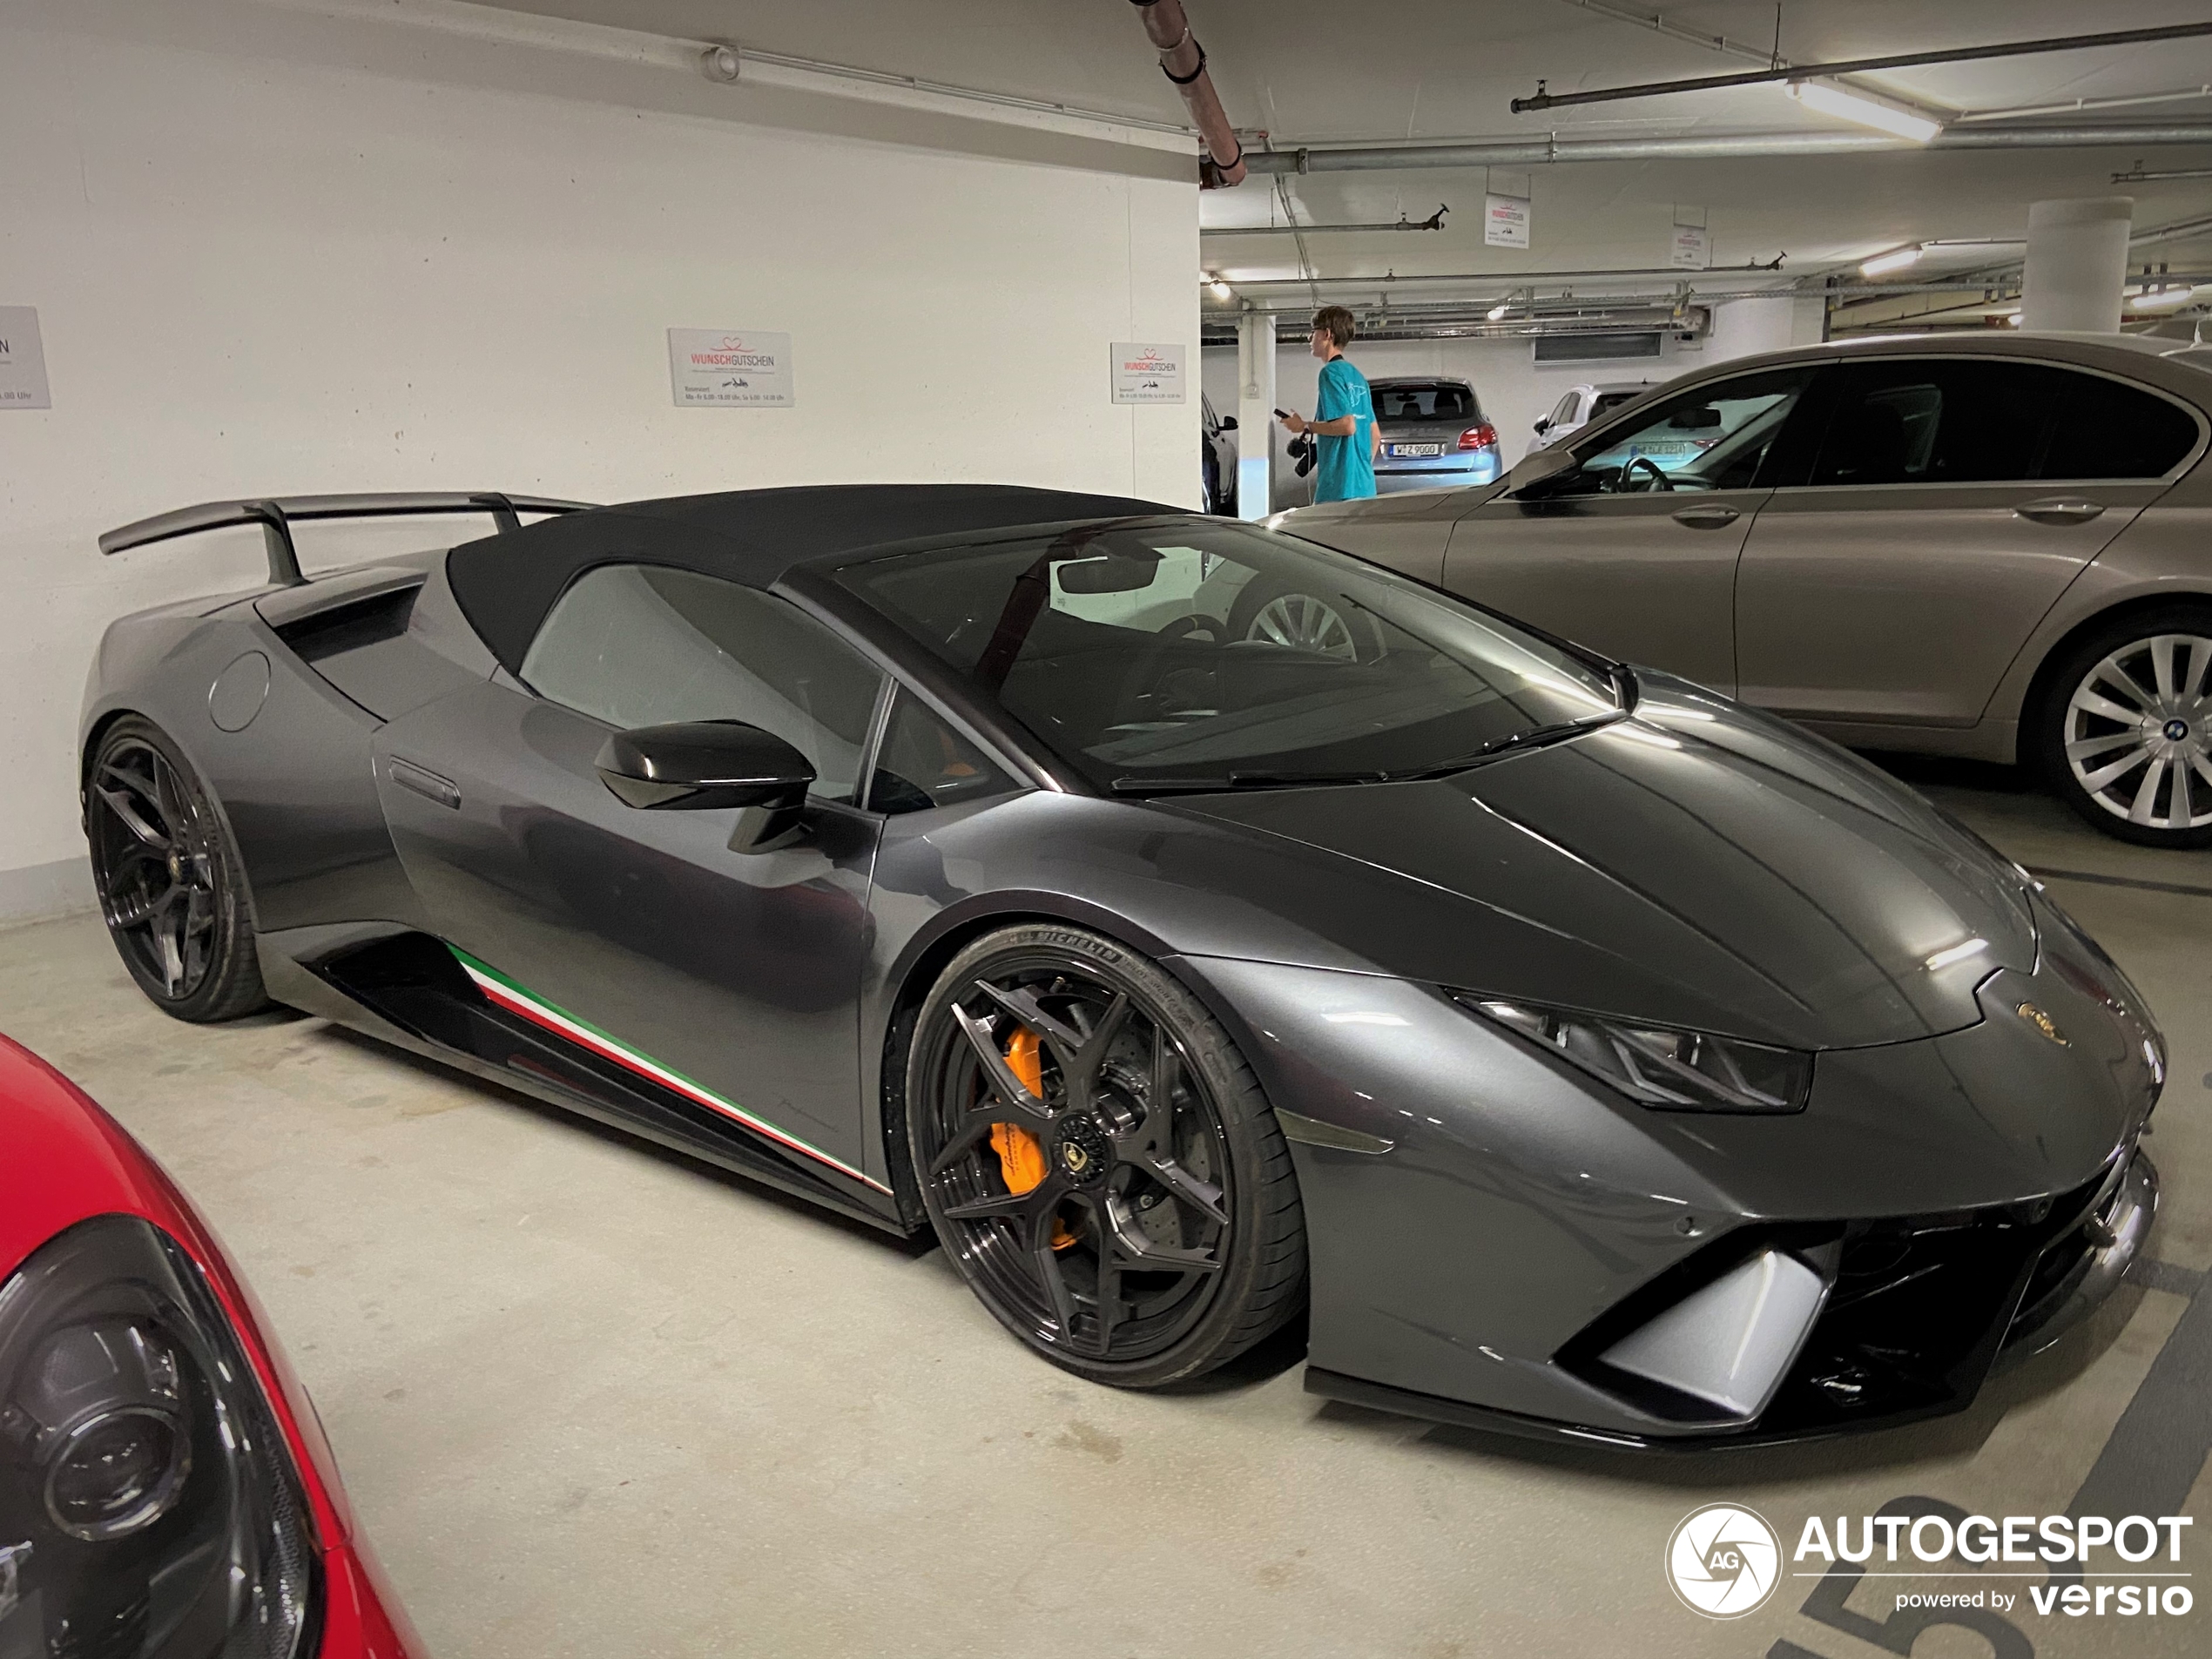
1693, 862
1912, 617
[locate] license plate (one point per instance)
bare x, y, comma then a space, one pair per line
1411, 449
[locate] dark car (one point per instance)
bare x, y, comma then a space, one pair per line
1434, 435
1593, 1054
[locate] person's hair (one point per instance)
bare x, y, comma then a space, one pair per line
1337, 321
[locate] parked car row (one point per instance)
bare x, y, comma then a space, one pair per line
1992, 548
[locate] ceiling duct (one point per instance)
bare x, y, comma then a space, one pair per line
1182, 60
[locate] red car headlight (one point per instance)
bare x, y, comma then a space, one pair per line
150, 1508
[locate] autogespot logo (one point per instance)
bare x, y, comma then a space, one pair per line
1723, 1560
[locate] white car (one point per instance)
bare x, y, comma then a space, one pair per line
1580, 405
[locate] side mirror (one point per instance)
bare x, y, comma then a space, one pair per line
702, 764
1543, 424
1228, 423
1540, 468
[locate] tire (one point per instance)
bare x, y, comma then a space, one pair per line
1282, 613
1154, 1247
171, 887
2123, 729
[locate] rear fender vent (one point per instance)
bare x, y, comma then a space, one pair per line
350, 624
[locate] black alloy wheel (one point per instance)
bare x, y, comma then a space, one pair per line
169, 885
1162, 1235
2124, 729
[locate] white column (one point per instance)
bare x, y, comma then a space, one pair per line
1255, 413
2077, 263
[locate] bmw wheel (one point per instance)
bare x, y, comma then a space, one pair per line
1098, 1160
2126, 727
1288, 617
170, 887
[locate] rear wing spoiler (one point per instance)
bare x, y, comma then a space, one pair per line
276, 514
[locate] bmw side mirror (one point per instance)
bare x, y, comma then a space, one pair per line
1228, 424
695, 766
1540, 469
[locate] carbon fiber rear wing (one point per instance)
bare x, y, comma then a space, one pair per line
276, 514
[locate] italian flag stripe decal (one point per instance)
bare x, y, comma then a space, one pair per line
518, 1000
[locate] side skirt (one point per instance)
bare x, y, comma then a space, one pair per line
413, 990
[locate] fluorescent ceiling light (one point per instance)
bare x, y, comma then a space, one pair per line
2166, 299
1500, 309
1896, 259
1850, 105
1221, 290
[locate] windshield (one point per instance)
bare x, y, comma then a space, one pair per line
1425, 401
1192, 654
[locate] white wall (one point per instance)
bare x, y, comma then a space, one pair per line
1513, 390
275, 250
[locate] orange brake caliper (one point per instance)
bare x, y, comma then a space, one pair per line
1020, 1154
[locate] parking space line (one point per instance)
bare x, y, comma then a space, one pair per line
2118, 881
2157, 1449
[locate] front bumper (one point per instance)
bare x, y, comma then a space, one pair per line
1485, 1230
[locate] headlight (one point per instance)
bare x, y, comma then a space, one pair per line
1681, 1071
149, 1504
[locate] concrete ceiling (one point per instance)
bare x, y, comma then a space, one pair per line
1325, 71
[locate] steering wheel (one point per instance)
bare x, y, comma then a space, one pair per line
1659, 479
1139, 679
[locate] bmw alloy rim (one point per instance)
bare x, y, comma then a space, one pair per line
1116, 1252
155, 867
2139, 733
1304, 623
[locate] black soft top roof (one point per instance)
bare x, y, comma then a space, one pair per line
506, 584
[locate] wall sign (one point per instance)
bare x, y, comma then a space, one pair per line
1692, 246
730, 368
1148, 373
1505, 210
22, 360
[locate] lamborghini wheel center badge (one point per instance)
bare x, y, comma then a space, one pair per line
1084, 1149
2044, 1023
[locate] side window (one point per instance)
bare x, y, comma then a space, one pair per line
1563, 411
2110, 430
925, 763
1714, 437
644, 644
1948, 422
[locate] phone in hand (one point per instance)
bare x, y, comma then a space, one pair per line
1282, 415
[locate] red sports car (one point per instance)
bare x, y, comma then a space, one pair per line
166, 1491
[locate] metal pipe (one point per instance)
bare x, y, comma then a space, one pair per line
1512, 279
1182, 60
2082, 106
1433, 222
1524, 153
1544, 100
2137, 176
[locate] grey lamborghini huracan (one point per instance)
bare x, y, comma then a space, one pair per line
1590, 1055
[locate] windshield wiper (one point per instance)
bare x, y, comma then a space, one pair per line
1238, 777
1242, 778
1534, 736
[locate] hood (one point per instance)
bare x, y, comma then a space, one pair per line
1697, 865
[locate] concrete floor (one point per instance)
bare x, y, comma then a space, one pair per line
593, 1400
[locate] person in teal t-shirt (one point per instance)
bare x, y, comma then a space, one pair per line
1344, 417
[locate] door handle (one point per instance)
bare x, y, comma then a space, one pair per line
420, 780
2059, 509
1707, 518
